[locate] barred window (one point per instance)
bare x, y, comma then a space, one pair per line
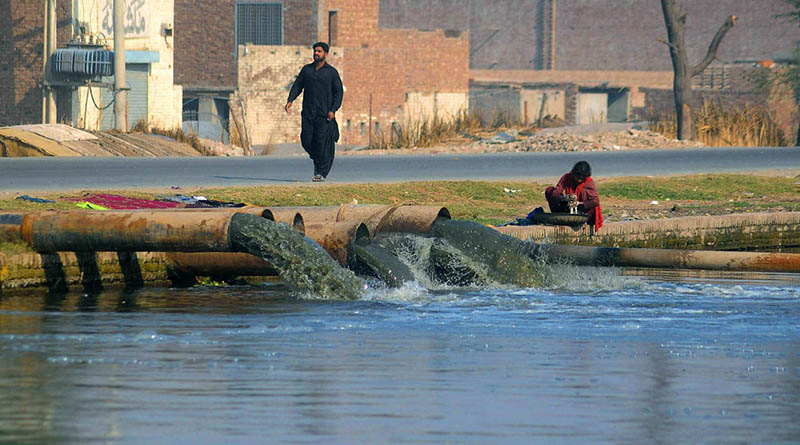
714, 77
259, 23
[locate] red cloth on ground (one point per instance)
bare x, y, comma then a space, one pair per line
118, 202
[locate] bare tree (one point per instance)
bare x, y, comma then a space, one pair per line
789, 75
675, 20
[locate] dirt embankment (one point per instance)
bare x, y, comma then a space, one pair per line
577, 138
63, 140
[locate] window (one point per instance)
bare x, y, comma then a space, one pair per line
333, 28
361, 128
259, 23
348, 124
714, 77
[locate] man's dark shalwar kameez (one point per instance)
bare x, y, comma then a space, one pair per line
322, 92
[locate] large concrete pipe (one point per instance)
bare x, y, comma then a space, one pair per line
377, 218
281, 215
218, 265
136, 231
300, 262
10, 222
71, 228
338, 238
672, 259
231, 264
288, 216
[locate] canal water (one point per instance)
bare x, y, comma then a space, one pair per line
596, 356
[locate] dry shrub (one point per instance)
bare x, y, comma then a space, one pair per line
720, 126
176, 134
429, 131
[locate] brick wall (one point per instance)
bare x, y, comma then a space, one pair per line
504, 34
21, 56
380, 70
204, 43
358, 22
663, 101
596, 34
300, 22
205, 47
266, 74
587, 78
404, 61
624, 34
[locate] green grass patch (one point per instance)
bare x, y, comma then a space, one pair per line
489, 202
13, 247
698, 187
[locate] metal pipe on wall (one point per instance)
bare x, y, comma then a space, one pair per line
50, 33
120, 90
672, 259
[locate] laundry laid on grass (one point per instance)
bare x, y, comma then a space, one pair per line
118, 202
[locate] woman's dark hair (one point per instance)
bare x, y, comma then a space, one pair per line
582, 169
322, 45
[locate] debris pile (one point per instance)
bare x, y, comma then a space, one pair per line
565, 141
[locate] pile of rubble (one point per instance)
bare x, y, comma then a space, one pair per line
567, 141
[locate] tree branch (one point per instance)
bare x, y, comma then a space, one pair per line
712, 48
669, 44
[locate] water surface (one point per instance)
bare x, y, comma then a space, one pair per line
596, 357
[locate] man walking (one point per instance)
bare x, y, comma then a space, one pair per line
322, 97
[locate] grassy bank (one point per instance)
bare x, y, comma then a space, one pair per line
496, 202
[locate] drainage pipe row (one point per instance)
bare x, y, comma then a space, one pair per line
671, 259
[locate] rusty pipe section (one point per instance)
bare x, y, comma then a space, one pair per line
81, 231
338, 238
673, 259
233, 264
277, 214
10, 222
219, 264
288, 216
378, 218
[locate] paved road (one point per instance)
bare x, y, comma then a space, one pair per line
30, 174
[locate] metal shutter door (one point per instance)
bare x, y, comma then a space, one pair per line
136, 80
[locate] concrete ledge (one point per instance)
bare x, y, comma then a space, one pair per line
743, 231
63, 270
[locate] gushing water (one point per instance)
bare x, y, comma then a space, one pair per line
434, 263
301, 263
506, 258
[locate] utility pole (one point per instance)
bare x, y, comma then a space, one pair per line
48, 96
120, 92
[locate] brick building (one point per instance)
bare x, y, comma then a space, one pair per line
389, 75
21, 61
153, 97
587, 60
598, 59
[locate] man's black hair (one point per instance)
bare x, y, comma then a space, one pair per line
582, 169
322, 45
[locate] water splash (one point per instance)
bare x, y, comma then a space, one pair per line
506, 258
435, 263
378, 262
301, 263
